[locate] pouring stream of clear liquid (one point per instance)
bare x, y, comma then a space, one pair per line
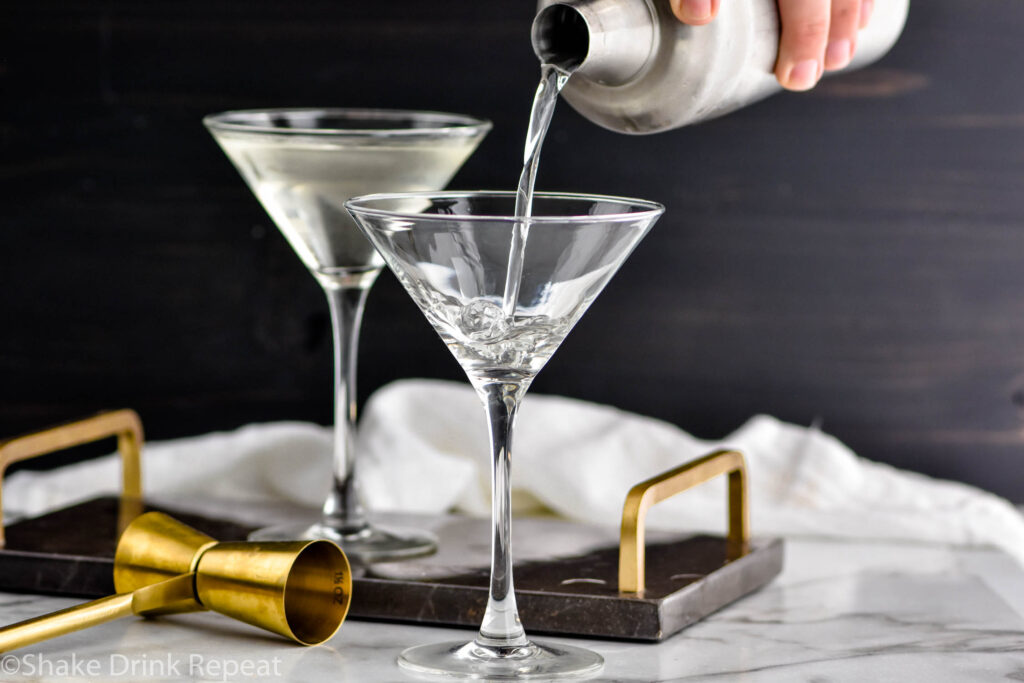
552, 80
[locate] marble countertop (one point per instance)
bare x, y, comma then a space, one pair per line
840, 611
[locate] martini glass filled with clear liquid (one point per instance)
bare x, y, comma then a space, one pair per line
302, 165
452, 252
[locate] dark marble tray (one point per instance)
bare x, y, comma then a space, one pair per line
571, 590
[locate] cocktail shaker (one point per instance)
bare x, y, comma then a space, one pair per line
640, 70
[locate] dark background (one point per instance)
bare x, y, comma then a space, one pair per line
854, 255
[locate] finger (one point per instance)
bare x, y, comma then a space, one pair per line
866, 8
842, 33
696, 12
805, 25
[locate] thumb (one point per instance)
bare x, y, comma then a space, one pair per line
695, 12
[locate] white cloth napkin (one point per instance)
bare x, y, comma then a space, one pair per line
424, 449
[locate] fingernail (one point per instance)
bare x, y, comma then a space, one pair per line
697, 10
838, 54
803, 75
866, 7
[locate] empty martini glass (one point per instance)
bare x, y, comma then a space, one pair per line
303, 164
450, 251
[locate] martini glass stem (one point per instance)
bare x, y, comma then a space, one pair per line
343, 509
501, 626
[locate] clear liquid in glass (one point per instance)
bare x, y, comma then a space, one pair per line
304, 186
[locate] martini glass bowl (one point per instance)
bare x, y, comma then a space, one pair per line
302, 165
451, 252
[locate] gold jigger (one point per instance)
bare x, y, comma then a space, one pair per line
298, 589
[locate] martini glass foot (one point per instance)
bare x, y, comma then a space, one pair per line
369, 544
474, 660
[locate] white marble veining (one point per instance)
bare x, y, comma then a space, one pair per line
840, 612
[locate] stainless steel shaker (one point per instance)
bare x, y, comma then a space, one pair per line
640, 70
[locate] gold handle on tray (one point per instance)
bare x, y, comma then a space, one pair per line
643, 496
124, 424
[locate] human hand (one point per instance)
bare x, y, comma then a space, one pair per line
817, 35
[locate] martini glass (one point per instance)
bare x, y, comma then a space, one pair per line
451, 252
303, 164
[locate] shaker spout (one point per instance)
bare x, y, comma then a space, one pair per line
606, 41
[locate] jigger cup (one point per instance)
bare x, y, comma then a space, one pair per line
295, 588
298, 589
156, 547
